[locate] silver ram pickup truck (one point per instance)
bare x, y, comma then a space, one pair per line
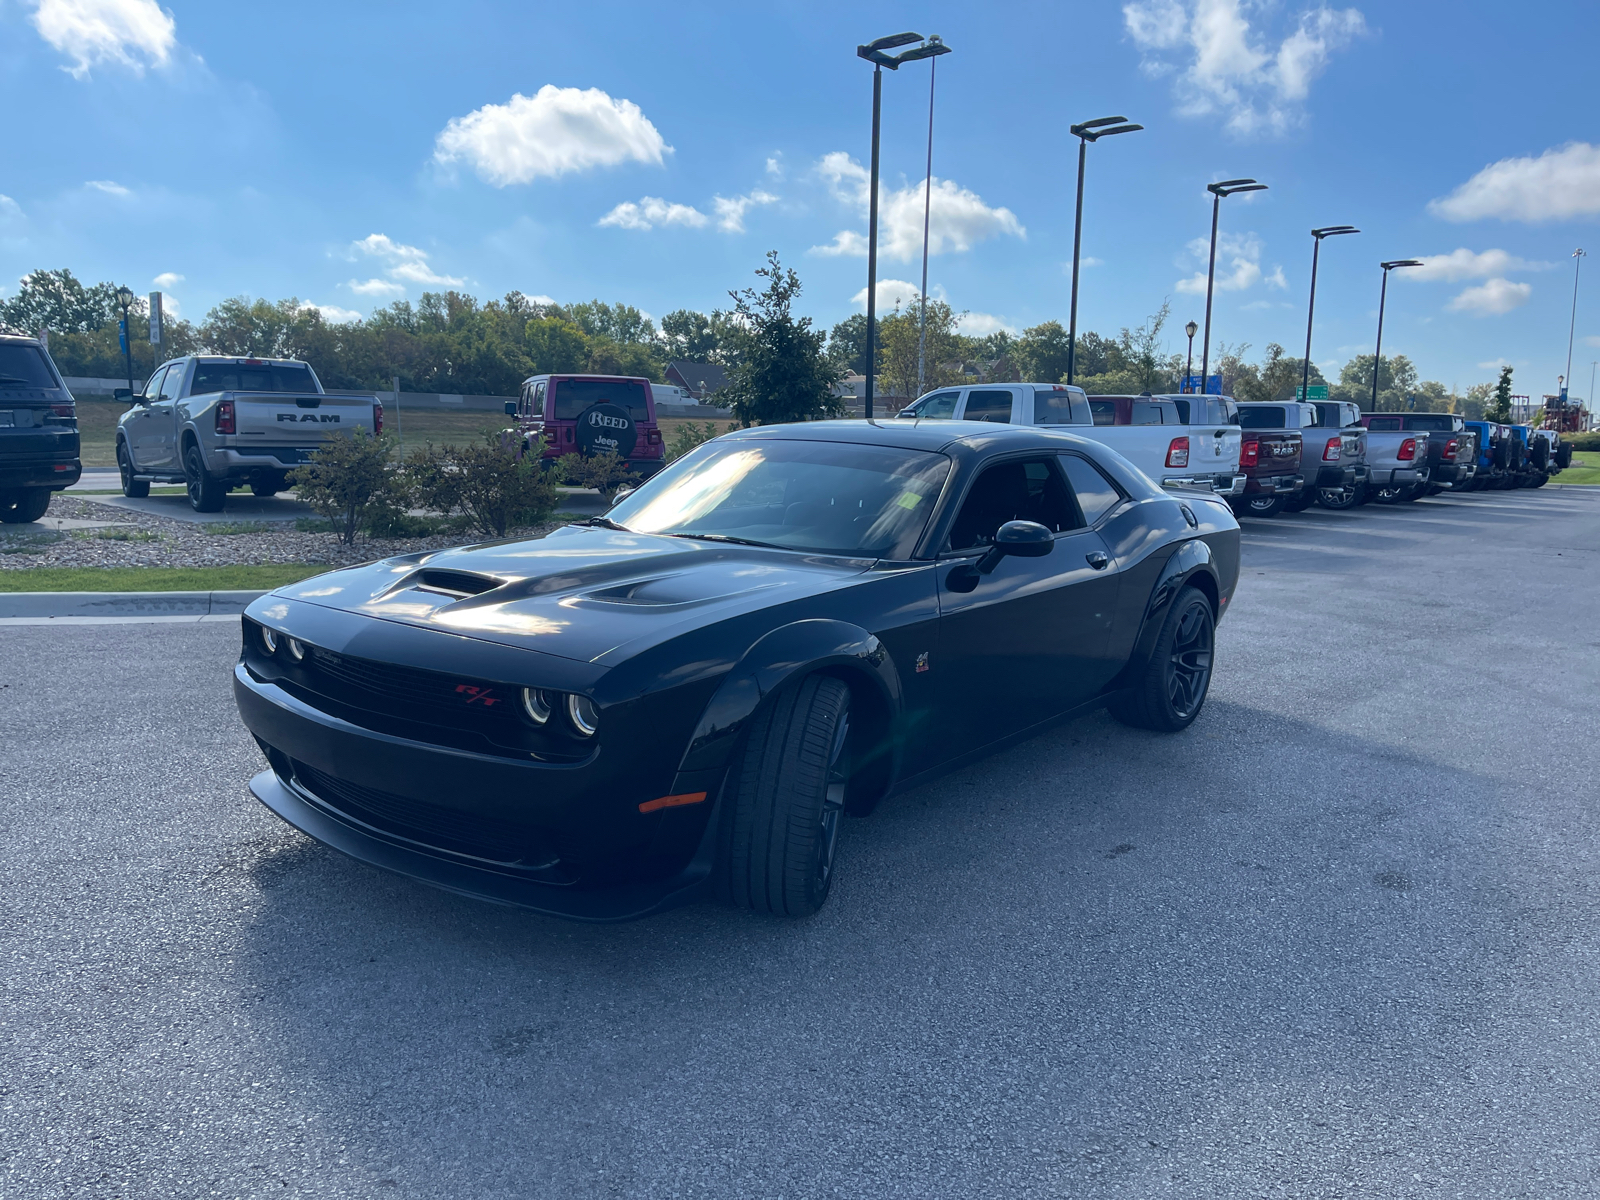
214, 423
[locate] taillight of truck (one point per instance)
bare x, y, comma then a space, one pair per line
1408, 450
1451, 448
1250, 453
225, 419
377, 419
1178, 452
1330, 452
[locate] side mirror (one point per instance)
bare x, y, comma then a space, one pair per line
125, 395
511, 408
1024, 539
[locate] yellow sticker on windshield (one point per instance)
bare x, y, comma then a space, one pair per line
908, 500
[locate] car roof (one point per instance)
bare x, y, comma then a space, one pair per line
238, 358
23, 338
917, 434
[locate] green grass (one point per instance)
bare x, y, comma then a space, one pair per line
1585, 469
155, 579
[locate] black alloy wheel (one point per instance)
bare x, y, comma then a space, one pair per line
1339, 498
1261, 506
205, 493
134, 489
784, 801
1169, 694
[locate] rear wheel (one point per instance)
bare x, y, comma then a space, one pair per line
1389, 495
1170, 693
1258, 506
205, 493
131, 487
25, 505
783, 802
1338, 499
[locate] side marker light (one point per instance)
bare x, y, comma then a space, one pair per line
650, 806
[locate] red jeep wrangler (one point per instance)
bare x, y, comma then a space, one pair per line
592, 414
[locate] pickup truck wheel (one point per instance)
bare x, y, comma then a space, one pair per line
783, 802
1299, 503
23, 505
1337, 499
1390, 495
205, 493
1169, 694
1259, 506
133, 488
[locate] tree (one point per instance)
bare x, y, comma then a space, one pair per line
1041, 353
496, 484
901, 337
1096, 355
1499, 409
688, 336
555, 345
784, 375
350, 481
847, 345
1397, 381
57, 301
1278, 377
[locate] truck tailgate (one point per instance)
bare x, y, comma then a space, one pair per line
281, 419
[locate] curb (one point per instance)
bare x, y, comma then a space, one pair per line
124, 604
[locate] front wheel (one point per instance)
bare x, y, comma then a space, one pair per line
783, 802
1171, 691
135, 489
206, 494
24, 506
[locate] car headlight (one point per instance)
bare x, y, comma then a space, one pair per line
536, 703
583, 715
269, 639
296, 649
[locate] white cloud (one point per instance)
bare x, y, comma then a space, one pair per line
958, 218
135, 33
542, 300
554, 132
421, 272
977, 324
1492, 298
1238, 265
109, 187
407, 264
1591, 341
1558, 185
775, 164
891, 292
376, 287
332, 313
1464, 264
652, 211
1494, 364
167, 279
1224, 66
731, 210
9, 209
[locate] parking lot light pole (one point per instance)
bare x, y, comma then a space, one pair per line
1089, 131
1188, 363
125, 299
873, 52
1311, 308
1578, 256
931, 48
1383, 295
1225, 187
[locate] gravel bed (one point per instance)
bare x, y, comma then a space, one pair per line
140, 540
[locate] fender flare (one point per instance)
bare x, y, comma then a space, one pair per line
1193, 559
777, 658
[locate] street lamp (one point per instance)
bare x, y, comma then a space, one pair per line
873, 52
931, 48
1577, 264
1188, 364
1225, 187
1089, 131
1311, 308
125, 299
1383, 296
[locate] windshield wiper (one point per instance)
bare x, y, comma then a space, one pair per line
605, 523
729, 538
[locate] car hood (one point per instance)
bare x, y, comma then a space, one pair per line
588, 594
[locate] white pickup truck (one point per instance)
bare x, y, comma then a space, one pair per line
214, 423
1179, 441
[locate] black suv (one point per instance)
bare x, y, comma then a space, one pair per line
38, 430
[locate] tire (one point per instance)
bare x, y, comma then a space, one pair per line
1435, 489
206, 494
24, 505
1540, 480
1415, 492
1338, 499
1173, 687
1301, 502
264, 490
1258, 506
134, 489
783, 802
1389, 495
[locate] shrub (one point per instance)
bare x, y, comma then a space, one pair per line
603, 472
1583, 441
690, 435
351, 481
495, 485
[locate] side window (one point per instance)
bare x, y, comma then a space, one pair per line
173, 381
1096, 494
1385, 424
525, 401
940, 405
1024, 490
152, 387
1146, 413
1103, 412
989, 406
1056, 407
538, 401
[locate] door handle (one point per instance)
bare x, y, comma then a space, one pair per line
1099, 560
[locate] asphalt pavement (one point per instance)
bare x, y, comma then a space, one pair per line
1337, 939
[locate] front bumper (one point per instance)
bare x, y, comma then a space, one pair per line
52, 473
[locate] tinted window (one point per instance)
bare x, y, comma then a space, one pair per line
1059, 406
1225, 412
173, 381
251, 377
574, 397
1096, 494
1263, 416
1148, 412
1103, 411
1433, 422
153, 384
1384, 424
1030, 490
828, 497
989, 406
1183, 411
938, 405
24, 367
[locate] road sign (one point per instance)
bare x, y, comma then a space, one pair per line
155, 318
1317, 391
1190, 385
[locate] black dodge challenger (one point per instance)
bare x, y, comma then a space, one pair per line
688, 694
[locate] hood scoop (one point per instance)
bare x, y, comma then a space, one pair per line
458, 585
673, 591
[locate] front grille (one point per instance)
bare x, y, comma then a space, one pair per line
412, 693
503, 843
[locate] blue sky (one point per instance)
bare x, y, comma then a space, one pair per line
349, 154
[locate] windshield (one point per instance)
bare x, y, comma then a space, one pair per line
824, 497
23, 366
939, 404
1265, 416
251, 377
574, 397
